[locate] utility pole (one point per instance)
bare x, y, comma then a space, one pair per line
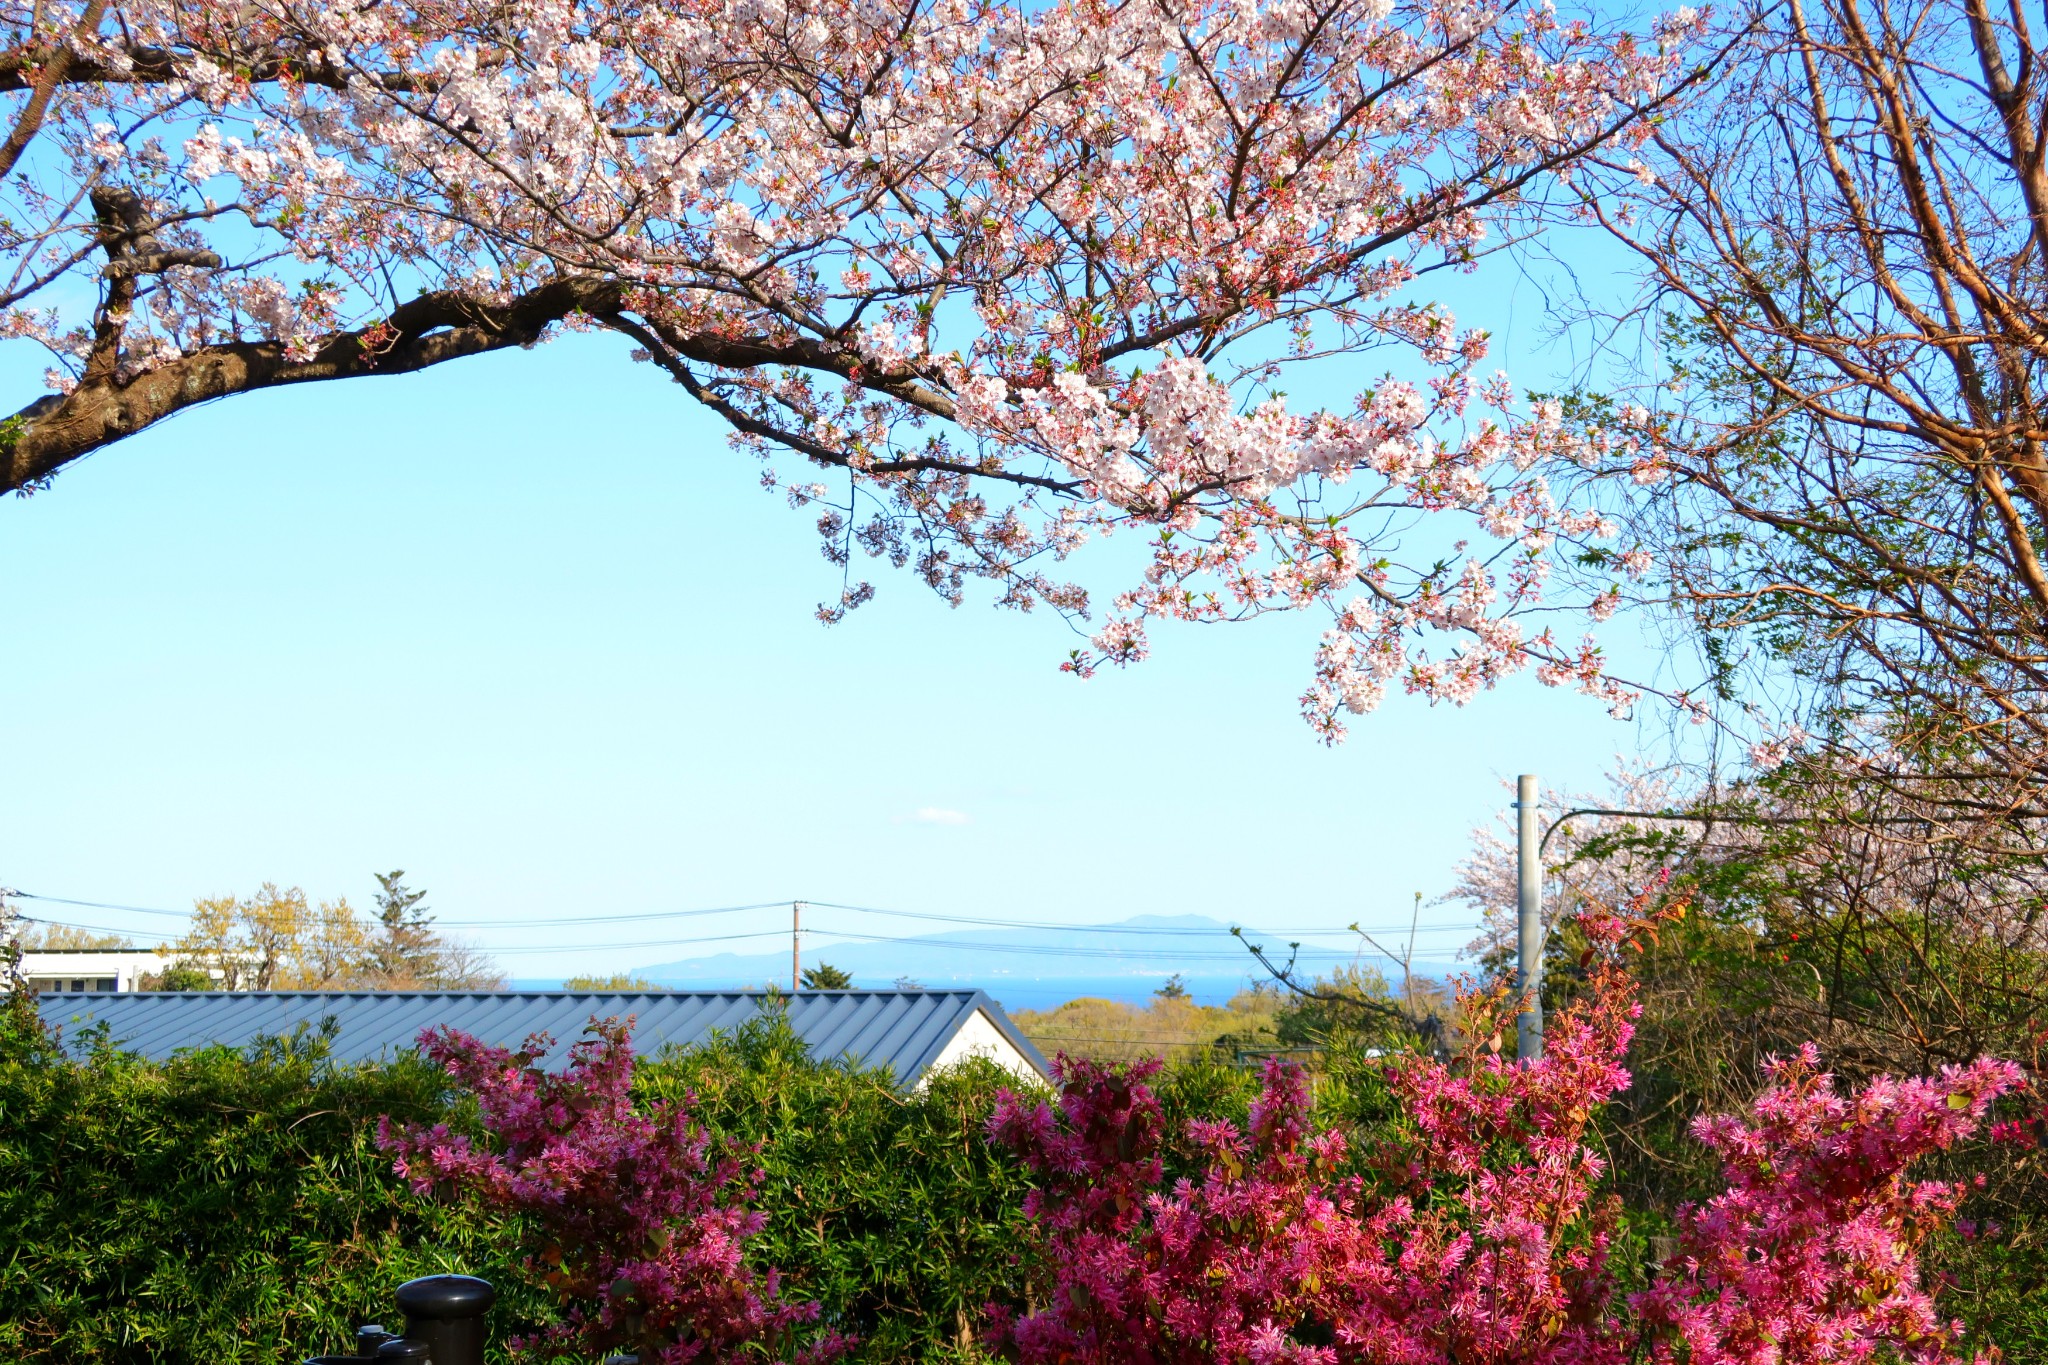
1529, 918
795, 924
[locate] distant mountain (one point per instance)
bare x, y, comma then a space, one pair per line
1024, 966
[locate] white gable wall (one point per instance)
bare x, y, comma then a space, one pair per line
979, 1037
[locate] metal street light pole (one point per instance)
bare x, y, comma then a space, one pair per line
1529, 917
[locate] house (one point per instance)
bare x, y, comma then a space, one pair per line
911, 1032
92, 969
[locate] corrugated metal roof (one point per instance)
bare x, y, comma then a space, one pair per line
902, 1030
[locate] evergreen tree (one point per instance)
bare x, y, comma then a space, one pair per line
404, 953
825, 977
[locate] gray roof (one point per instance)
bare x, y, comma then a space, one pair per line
902, 1030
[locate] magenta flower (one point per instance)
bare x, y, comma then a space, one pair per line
639, 1220
1485, 1239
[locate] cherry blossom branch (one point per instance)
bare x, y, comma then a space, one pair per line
427, 331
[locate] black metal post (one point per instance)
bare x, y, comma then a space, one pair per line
369, 1337
446, 1312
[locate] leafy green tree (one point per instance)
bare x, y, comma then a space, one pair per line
1175, 987
181, 976
1353, 1006
825, 977
279, 939
1174, 1027
618, 981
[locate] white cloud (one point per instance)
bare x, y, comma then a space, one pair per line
939, 815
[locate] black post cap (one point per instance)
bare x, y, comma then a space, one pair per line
447, 1313
403, 1351
446, 1297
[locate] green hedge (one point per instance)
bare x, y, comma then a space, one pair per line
224, 1206
231, 1206
893, 1211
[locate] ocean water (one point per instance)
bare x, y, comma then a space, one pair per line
1013, 991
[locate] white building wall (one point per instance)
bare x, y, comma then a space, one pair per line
92, 970
979, 1037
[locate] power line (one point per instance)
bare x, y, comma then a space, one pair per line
1035, 950
102, 905
522, 948
607, 919
1069, 928
841, 935
650, 943
95, 929
1008, 949
1123, 951
641, 915
448, 923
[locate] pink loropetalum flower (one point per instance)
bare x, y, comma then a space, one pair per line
637, 1220
1483, 1238
1809, 1255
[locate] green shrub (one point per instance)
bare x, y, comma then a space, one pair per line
224, 1206
231, 1206
892, 1210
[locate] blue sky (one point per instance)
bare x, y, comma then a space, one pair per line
527, 628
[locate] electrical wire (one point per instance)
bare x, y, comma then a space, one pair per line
1006, 949
94, 929
1033, 950
610, 919
972, 920
100, 905
1069, 928
1119, 951
651, 943
451, 923
524, 948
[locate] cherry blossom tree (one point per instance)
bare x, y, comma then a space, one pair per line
1595, 860
998, 278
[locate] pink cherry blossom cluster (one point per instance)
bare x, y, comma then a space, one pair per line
1475, 1232
1017, 275
637, 1220
1488, 877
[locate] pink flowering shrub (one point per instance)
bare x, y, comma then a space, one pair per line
1480, 1235
1810, 1253
638, 1221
